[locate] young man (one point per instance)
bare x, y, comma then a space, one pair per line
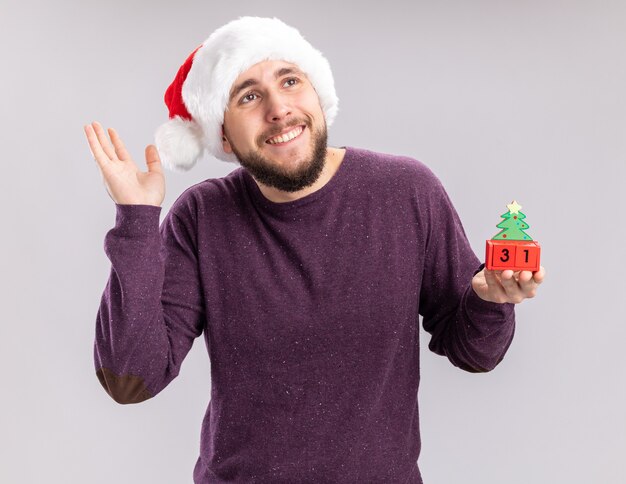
306, 268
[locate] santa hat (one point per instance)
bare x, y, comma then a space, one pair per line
199, 94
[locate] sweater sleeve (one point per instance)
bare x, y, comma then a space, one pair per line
151, 309
472, 333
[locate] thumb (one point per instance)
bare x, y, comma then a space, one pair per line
153, 160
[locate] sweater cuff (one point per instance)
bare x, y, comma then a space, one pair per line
136, 220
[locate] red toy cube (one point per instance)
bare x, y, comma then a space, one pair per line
517, 255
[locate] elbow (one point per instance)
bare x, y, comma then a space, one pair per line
485, 365
468, 358
479, 368
124, 389
483, 355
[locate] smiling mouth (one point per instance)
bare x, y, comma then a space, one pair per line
287, 137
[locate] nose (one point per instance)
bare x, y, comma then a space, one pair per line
278, 107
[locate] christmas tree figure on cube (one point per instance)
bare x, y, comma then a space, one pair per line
513, 225
512, 248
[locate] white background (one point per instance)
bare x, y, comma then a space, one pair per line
501, 99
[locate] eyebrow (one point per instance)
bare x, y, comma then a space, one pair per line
253, 82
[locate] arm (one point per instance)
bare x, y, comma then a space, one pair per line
151, 309
473, 333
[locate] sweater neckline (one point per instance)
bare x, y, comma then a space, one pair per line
330, 185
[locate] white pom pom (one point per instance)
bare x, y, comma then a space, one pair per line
179, 142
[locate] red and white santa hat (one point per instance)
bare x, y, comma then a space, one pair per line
199, 94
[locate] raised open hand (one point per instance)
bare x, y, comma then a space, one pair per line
125, 183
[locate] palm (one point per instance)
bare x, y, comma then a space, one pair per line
124, 179
153, 183
125, 183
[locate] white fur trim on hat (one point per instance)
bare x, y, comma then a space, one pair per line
179, 143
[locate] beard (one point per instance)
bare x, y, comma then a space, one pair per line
269, 174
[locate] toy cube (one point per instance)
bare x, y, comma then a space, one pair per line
517, 255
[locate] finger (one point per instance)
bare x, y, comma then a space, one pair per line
508, 274
527, 284
539, 275
491, 278
496, 291
104, 141
153, 160
120, 149
511, 287
94, 145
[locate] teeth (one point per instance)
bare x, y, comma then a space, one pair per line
286, 137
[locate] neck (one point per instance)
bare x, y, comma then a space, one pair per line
334, 157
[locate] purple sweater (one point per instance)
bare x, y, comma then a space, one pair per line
310, 313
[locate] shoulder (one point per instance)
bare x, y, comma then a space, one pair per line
399, 170
208, 195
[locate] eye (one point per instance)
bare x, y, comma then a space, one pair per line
294, 79
246, 99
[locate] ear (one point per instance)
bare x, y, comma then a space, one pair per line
225, 143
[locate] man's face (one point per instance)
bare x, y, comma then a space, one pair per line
275, 98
